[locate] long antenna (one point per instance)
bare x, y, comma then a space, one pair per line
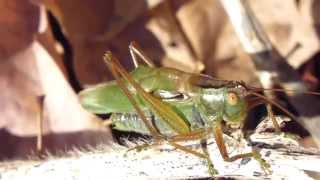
275, 104
255, 89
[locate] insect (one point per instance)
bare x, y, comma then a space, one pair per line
172, 105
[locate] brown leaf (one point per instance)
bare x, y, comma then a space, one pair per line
32, 72
92, 27
18, 20
180, 52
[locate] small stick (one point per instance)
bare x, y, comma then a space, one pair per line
40, 100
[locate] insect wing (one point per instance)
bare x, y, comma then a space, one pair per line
106, 98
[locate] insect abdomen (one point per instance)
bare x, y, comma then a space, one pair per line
133, 123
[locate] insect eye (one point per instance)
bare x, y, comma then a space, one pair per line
232, 98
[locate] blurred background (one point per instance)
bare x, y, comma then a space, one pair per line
54, 48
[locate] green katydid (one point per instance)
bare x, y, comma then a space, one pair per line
172, 105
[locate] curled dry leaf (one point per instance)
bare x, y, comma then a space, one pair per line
227, 54
92, 27
29, 72
179, 50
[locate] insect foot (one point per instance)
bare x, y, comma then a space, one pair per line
211, 169
265, 166
138, 148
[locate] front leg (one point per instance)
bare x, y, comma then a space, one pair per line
218, 135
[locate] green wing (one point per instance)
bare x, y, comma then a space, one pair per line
106, 98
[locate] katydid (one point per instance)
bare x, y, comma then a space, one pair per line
172, 105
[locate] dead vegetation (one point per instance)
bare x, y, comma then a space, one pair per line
54, 49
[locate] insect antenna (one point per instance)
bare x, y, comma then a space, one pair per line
255, 89
253, 102
267, 100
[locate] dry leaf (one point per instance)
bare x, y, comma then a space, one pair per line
31, 72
